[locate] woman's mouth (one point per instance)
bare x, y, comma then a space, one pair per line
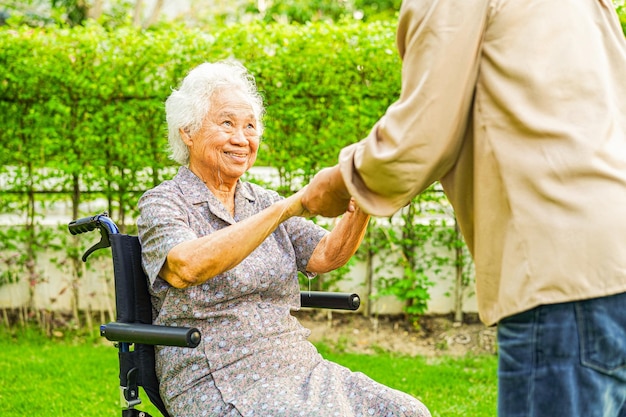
237, 155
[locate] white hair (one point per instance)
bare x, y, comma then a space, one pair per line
187, 107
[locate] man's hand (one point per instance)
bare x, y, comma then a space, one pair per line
327, 195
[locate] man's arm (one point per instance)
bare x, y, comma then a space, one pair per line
419, 138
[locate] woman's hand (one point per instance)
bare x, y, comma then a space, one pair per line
294, 205
337, 247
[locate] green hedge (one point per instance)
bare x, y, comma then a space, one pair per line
81, 117
87, 103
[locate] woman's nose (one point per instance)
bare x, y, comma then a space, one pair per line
239, 137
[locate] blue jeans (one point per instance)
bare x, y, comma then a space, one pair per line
564, 360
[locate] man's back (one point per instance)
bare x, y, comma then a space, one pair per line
549, 155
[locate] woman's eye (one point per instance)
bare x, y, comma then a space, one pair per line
250, 126
227, 123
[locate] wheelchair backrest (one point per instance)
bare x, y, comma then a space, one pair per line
134, 305
132, 298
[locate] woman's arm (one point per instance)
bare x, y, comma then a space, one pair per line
337, 247
196, 261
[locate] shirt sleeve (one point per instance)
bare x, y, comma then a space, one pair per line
162, 224
418, 139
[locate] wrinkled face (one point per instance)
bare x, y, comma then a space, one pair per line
226, 145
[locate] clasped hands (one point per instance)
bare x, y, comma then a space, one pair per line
326, 195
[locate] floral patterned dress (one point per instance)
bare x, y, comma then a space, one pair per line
254, 358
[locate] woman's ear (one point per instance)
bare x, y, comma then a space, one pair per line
185, 136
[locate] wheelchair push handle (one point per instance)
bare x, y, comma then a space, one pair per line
101, 222
87, 224
84, 225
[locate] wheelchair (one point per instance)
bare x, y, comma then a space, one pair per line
133, 332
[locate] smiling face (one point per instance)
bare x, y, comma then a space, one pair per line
226, 145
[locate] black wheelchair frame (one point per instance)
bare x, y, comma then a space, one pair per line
133, 332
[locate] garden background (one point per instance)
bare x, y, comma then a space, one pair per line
82, 86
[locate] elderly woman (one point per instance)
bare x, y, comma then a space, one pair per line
223, 255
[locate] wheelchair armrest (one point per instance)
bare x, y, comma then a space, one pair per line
335, 300
151, 334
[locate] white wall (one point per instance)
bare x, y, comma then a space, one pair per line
96, 290
54, 287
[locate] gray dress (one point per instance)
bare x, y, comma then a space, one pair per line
254, 358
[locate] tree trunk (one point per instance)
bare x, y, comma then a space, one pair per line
137, 12
76, 262
95, 11
154, 16
369, 279
458, 286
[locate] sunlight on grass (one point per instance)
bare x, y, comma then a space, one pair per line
72, 377
449, 386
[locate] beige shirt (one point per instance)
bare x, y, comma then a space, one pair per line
519, 109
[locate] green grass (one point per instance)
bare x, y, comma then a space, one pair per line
78, 376
449, 386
